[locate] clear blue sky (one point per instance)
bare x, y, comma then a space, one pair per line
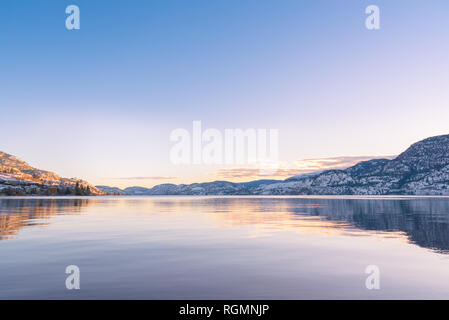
100, 102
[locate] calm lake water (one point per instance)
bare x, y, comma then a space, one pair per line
224, 247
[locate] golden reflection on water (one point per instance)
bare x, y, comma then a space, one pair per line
266, 218
424, 222
16, 214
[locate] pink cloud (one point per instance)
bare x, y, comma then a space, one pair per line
292, 168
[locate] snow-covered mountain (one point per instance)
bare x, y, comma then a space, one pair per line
423, 169
206, 188
18, 178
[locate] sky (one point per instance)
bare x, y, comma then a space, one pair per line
100, 103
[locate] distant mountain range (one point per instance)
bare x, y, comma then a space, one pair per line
423, 169
18, 178
206, 188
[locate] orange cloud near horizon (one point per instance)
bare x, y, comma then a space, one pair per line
291, 168
285, 170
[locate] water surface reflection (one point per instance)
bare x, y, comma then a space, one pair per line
423, 221
224, 247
